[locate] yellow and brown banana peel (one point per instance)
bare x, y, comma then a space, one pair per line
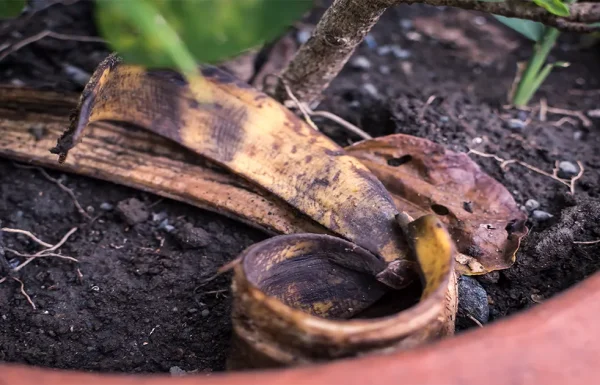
340, 282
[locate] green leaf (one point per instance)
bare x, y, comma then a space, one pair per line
11, 8
530, 29
556, 7
211, 30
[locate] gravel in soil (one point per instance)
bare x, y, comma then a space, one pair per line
138, 305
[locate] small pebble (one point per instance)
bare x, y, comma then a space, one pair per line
205, 313
477, 140
132, 211
106, 206
164, 225
406, 24
444, 119
360, 62
384, 50
176, 371
371, 89
190, 237
370, 41
38, 131
532, 204
157, 217
13, 263
540, 215
567, 169
303, 35
594, 113
385, 70
473, 301
577, 135
516, 124
76, 75
414, 36
522, 115
395, 50
479, 20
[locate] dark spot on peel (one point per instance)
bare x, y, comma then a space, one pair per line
168, 75
468, 206
193, 104
336, 177
294, 149
474, 251
222, 77
438, 225
308, 159
440, 209
335, 153
321, 182
227, 131
396, 162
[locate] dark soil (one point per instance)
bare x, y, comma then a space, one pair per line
139, 304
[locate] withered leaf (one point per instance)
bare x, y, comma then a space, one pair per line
426, 178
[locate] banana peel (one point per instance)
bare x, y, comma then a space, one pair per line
372, 250
252, 136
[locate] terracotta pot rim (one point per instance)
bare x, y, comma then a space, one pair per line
404, 322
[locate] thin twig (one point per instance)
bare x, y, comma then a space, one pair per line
63, 240
44, 253
543, 110
308, 112
578, 114
565, 119
504, 163
344, 123
61, 186
24, 292
3, 279
424, 109
303, 109
576, 177
27, 233
47, 33
475, 320
587, 242
40, 254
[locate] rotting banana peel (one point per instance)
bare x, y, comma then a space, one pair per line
292, 300
254, 137
304, 289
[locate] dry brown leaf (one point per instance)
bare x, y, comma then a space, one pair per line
424, 177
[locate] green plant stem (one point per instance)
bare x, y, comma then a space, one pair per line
530, 81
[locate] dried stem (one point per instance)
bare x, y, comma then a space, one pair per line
504, 163
27, 233
61, 186
10, 49
24, 292
587, 242
346, 22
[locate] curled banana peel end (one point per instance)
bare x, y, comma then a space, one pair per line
80, 116
307, 298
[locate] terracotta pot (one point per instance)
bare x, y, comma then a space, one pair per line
557, 342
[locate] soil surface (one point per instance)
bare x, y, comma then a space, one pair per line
136, 301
